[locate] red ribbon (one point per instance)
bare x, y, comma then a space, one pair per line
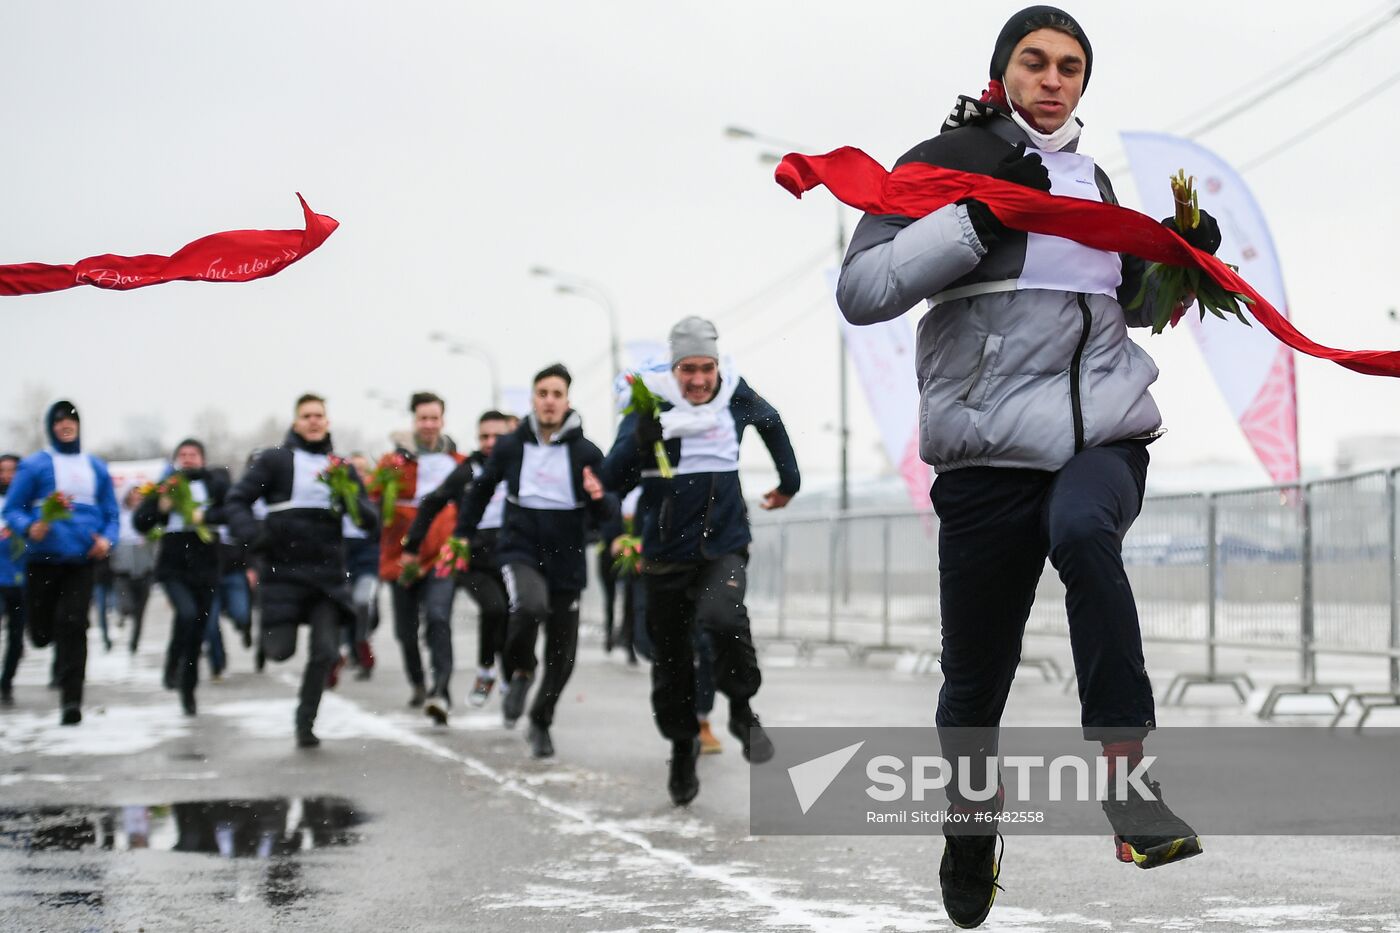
232, 256
916, 189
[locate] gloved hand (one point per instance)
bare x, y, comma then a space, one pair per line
648, 432
1205, 236
1022, 168
1019, 168
984, 223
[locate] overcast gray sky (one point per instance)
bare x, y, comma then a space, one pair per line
460, 143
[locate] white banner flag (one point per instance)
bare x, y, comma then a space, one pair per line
883, 356
128, 474
1253, 370
648, 357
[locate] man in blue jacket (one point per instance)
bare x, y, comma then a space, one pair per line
61, 554
11, 586
695, 537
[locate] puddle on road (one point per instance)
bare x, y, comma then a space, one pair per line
266, 828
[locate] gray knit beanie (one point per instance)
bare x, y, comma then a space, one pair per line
694, 336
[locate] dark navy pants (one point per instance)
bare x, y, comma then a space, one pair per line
997, 527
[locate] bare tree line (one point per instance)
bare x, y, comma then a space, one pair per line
147, 436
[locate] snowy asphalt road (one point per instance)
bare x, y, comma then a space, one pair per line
461, 831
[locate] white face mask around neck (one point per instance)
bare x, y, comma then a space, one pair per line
1047, 142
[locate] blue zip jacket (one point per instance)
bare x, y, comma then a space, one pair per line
68, 541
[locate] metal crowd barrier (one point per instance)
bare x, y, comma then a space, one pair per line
1307, 570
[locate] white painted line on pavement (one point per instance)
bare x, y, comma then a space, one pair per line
788, 912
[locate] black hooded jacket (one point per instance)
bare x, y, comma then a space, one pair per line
300, 540
183, 556
550, 540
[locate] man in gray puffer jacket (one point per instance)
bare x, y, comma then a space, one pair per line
1035, 413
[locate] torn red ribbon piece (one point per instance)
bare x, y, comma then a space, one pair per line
917, 189
231, 256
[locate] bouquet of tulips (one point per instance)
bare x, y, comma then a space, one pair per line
177, 488
56, 507
345, 492
647, 404
411, 573
628, 562
455, 557
385, 482
1175, 284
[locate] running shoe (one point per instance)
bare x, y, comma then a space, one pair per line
709, 743
436, 709
683, 782
1146, 832
481, 690
745, 727
541, 745
968, 877
514, 703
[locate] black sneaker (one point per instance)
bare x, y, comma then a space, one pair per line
514, 703
684, 783
745, 727
187, 702
541, 746
306, 738
968, 876
436, 709
418, 697
71, 716
7, 697
1146, 832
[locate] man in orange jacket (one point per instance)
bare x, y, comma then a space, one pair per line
416, 589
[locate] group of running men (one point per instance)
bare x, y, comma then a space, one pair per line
1035, 413
520, 510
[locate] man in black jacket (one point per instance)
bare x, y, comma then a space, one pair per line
695, 537
302, 549
187, 566
547, 465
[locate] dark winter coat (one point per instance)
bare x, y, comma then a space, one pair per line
550, 540
698, 515
299, 547
183, 556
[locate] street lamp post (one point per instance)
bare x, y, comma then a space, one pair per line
566, 284
843, 428
459, 347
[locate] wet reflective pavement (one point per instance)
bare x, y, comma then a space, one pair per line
143, 820
229, 828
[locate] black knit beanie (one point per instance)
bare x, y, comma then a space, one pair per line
1028, 21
